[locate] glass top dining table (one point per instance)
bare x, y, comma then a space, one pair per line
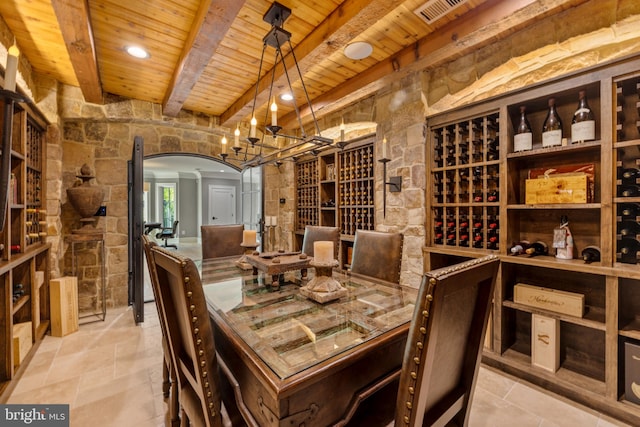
290, 333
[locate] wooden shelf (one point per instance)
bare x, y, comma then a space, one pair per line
631, 330
555, 151
20, 303
594, 317
556, 206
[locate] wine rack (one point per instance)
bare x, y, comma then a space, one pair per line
466, 217
356, 189
307, 194
466, 183
36, 225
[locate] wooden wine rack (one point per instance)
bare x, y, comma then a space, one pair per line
356, 189
307, 194
36, 225
465, 181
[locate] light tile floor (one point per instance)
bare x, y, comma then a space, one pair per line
110, 374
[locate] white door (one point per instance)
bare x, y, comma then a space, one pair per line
222, 204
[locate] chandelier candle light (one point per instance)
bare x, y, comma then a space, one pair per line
323, 287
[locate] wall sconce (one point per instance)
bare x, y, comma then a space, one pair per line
394, 182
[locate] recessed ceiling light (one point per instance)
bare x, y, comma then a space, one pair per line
286, 96
358, 50
137, 52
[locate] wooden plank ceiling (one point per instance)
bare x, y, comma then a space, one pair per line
205, 54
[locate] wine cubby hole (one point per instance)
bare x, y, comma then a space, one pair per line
627, 201
582, 340
21, 281
307, 194
465, 183
627, 105
566, 103
628, 315
356, 189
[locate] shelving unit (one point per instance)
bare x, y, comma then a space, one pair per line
592, 346
24, 264
336, 189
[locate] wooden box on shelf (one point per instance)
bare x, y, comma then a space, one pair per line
632, 372
570, 303
22, 341
545, 342
64, 305
557, 189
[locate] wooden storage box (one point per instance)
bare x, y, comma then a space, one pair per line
545, 342
632, 372
557, 189
64, 305
570, 303
22, 341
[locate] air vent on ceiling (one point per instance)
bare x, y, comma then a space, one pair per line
434, 9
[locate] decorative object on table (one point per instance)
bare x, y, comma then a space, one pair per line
86, 199
249, 243
271, 222
563, 239
323, 287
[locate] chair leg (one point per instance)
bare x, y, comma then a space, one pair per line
166, 384
174, 403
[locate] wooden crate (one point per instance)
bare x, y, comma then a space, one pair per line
545, 342
570, 303
22, 341
64, 305
632, 372
557, 189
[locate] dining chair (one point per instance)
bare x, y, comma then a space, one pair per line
168, 233
319, 233
444, 346
204, 380
169, 381
221, 240
377, 254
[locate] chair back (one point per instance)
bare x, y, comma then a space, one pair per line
444, 345
190, 336
221, 240
317, 233
377, 254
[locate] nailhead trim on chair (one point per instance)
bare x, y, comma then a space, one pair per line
433, 280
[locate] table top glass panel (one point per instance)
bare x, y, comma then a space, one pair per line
291, 333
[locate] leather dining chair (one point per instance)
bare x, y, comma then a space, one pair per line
169, 381
221, 240
204, 380
318, 233
377, 254
444, 346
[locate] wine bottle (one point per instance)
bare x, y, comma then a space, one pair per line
552, 127
583, 125
519, 248
630, 190
464, 239
628, 228
492, 242
493, 196
629, 210
628, 250
493, 149
630, 175
477, 240
537, 248
591, 254
523, 139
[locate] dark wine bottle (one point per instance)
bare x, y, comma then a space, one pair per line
630, 190
493, 196
552, 127
583, 125
477, 240
628, 250
523, 138
628, 228
492, 242
519, 248
629, 210
591, 254
630, 175
537, 248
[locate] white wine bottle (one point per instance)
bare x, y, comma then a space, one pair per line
552, 127
523, 138
583, 125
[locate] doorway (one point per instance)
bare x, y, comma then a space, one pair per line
222, 205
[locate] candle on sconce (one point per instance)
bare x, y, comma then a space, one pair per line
274, 113
268, 221
323, 252
342, 130
249, 238
224, 145
274, 221
252, 131
384, 148
11, 69
236, 137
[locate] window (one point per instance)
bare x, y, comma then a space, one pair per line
167, 206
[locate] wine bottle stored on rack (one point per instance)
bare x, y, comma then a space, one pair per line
629, 228
630, 190
523, 138
519, 248
552, 127
537, 248
630, 176
629, 210
591, 254
628, 250
583, 124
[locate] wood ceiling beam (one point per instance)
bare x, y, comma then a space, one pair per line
351, 18
486, 24
75, 27
210, 26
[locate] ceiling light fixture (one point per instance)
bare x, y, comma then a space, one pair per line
358, 50
277, 38
287, 96
137, 52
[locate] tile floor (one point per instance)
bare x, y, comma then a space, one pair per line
110, 374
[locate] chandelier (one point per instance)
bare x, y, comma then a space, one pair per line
255, 150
